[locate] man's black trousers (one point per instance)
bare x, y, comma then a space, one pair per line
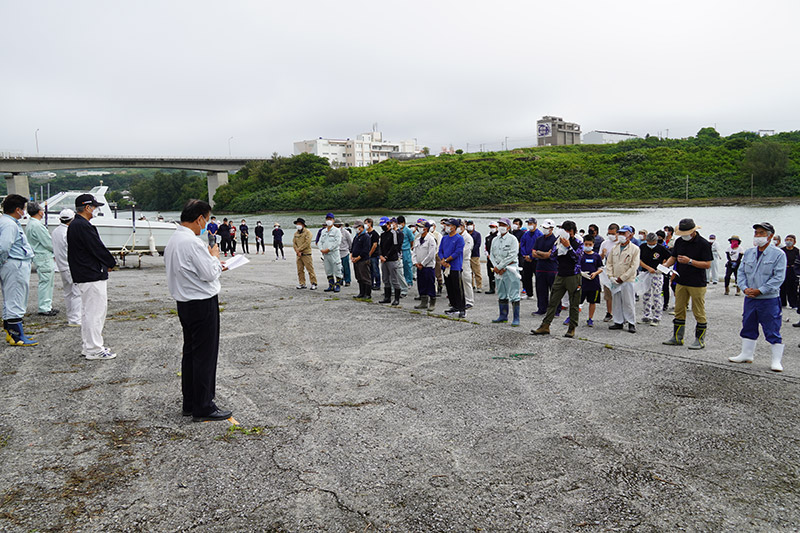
200, 323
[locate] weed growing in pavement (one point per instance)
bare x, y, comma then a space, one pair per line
235, 430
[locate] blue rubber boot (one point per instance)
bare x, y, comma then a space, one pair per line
503, 318
337, 285
515, 321
330, 285
15, 336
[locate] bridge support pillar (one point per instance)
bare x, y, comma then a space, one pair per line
215, 179
18, 184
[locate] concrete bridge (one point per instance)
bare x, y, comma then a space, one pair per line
18, 167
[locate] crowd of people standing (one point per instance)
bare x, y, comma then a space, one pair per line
563, 268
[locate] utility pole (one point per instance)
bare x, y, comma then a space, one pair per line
229, 146
506, 143
36, 134
467, 147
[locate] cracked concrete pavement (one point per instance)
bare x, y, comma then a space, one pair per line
361, 417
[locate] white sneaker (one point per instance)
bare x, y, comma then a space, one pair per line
313, 286
105, 353
300, 287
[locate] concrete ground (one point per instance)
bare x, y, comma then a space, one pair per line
361, 417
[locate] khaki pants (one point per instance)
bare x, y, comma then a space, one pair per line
698, 296
477, 279
305, 261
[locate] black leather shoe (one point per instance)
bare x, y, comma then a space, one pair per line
615, 326
184, 412
796, 324
52, 312
219, 414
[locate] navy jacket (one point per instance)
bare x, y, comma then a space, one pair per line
88, 258
361, 245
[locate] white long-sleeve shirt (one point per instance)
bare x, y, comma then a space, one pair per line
60, 248
425, 253
192, 273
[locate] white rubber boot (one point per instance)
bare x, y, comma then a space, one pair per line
777, 355
748, 349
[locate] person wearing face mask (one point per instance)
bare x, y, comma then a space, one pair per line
669, 232
475, 257
488, 248
546, 266
244, 235
42, 243
528, 263
776, 241
277, 240
259, 231
89, 261
301, 242
424, 256
605, 248
193, 272
329, 241
651, 255
16, 255
466, 266
692, 256
438, 268
713, 273
344, 251
761, 275
789, 288
374, 253
359, 253
734, 255
503, 256
408, 264
451, 257
622, 263
391, 246
569, 252
633, 240
591, 267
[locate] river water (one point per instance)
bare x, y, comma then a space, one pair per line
720, 221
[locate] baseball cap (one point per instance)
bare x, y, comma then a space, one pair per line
531, 221
626, 228
66, 214
548, 224
765, 225
87, 199
504, 221
330, 215
383, 221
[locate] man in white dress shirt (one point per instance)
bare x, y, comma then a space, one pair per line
193, 271
72, 296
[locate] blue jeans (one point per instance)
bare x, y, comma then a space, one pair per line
375, 265
346, 268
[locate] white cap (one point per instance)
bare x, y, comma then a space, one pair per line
548, 224
66, 214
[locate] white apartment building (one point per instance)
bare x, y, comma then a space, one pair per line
607, 137
366, 149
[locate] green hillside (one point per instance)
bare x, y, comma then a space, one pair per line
635, 170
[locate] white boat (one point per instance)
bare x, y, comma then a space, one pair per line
118, 234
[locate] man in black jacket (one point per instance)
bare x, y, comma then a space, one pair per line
89, 261
391, 245
224, 232
359, 255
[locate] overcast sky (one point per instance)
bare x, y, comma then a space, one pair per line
181, 78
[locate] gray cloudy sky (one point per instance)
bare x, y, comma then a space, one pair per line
180, 78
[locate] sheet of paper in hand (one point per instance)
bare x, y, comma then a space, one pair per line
236, 262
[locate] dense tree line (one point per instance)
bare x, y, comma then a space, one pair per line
638, 169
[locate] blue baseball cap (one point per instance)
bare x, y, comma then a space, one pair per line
330, 215
626, 228
383, 221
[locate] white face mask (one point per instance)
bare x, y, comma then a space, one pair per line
492, 230
686, 237
531, 227
446, 229
503, 230
470, 228
299, 227
622, 239
612, 238
759, 241
514, 227
588, 248
329, 223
